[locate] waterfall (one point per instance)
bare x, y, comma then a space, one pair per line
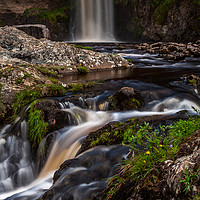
94, 21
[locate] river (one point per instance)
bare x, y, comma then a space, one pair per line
161, 83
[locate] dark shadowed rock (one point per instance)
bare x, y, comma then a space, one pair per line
85, 176
36, 30
52, 113
126, 98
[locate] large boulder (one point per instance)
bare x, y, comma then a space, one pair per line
127, 98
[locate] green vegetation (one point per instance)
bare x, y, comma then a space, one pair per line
50, 15
189, 179
36, 124
130, 61
46, 71
81, 47
137, 31
112, 135
193, 82
161, 10
82, 70
81, 86
1, 23
151, 146
25, 97
196, 2
76, 87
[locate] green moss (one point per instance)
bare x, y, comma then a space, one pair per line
82, 70
82, 47
54, 80
56, 90
80, 86
161, 12
37, 126
25, 97
50, 15
76, 87
130, 61
1, 23
137, 30
46, 71
195, 2
134, 103
19, 80
111, 134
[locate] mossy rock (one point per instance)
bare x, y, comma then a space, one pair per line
126, 98
45, 116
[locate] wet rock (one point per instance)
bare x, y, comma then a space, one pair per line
85, 176
52, 113
126, 98
171, 50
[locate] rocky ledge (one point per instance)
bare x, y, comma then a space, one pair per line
172, 50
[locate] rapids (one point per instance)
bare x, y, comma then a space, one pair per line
156, 79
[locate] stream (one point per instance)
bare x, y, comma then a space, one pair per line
162, 86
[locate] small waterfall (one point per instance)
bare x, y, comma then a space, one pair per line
94, 21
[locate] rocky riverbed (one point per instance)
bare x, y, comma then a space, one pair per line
172, 50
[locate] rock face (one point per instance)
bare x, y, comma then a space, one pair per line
11, 6
174, 20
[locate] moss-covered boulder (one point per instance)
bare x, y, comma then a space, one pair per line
127, 98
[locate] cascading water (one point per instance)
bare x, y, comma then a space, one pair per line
94, 21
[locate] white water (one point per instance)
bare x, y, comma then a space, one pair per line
94, 21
